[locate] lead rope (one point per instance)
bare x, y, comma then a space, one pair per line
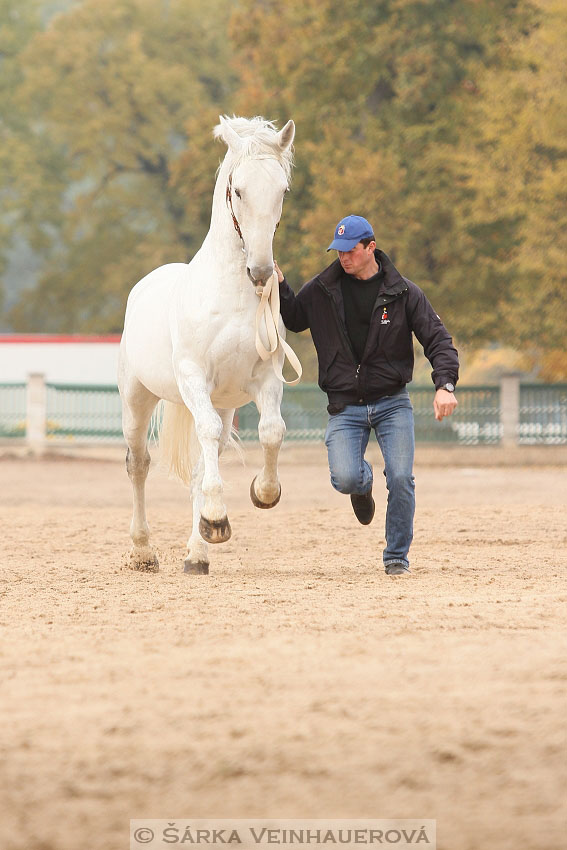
269, 308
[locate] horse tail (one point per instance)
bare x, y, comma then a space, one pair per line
178, 444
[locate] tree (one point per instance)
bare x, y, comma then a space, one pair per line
442, 121
524, 134
386, 97
116, 90
18, 149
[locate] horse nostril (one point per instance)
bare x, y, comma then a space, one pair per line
260, 274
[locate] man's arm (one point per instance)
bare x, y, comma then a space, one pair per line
439, 349
292, 309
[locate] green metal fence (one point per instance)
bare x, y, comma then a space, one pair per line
80, 412
476, 420
12, 410
84, 412
304, 410
543, 414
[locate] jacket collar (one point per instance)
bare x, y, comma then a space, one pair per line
393, 283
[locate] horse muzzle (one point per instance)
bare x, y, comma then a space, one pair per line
260, 275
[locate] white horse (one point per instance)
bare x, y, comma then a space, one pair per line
189, 338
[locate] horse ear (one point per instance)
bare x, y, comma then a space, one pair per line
230, 136
286, 135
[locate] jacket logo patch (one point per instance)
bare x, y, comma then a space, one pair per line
385, 320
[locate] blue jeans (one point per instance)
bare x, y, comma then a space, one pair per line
346, 440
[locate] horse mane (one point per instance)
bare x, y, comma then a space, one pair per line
260, 141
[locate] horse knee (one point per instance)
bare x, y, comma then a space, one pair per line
209, 429
271, 431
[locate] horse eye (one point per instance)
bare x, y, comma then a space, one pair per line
237, 193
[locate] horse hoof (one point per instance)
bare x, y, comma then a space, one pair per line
256, 501
144, 561
199, 568
215, 530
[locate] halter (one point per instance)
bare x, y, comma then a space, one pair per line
229, 204
228, 196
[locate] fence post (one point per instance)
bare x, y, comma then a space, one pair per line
36, 415
510, 408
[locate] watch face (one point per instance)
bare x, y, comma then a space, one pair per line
449, 387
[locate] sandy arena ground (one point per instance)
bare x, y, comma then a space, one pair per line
296, 680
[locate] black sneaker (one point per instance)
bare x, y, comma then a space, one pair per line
396, 569
363, 507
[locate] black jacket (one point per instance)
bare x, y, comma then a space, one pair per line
387, 363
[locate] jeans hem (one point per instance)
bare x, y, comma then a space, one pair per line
403, 561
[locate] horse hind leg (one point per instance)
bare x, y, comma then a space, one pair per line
142, 554
137, 410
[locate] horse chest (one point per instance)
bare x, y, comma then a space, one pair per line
232, 350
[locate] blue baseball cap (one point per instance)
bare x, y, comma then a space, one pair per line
349, 231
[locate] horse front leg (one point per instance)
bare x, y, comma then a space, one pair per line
214, 526
265, 490
197, 561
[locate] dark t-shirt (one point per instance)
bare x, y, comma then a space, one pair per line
359, 297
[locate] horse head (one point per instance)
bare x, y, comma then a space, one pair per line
259, 161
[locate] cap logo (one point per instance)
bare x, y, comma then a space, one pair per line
341, 230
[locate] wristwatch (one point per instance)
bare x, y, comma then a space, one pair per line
448, 386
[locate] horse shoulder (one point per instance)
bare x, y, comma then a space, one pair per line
159, 281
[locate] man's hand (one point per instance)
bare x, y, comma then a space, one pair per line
444, 404
279, 272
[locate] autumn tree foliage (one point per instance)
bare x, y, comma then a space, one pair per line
524, 120
117, 93
444, 122
398, 103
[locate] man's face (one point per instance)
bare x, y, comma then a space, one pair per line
359, 261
